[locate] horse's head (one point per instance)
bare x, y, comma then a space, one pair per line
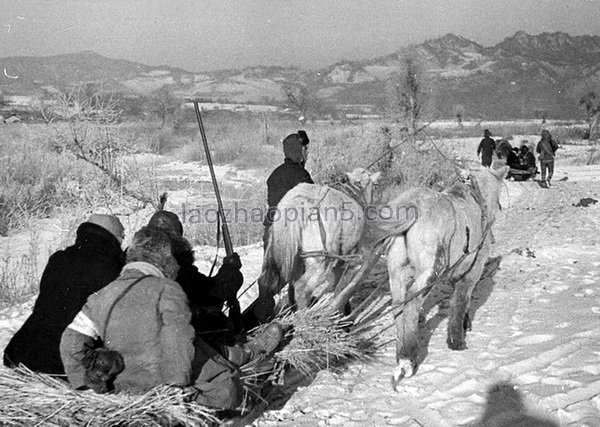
364, 183
487, 183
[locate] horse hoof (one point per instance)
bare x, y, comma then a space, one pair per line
404, 369
456, 344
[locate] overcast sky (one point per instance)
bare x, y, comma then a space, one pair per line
202, 35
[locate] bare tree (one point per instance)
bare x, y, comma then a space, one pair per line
406, 93
301, 99
163, 104
89, 134
591, 102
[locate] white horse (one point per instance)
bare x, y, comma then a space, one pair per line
316, 227
450, 240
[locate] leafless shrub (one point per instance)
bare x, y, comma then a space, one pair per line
91, 136
302, 99
406, 93
19, 275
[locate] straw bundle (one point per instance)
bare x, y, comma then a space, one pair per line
32, 399
320, 337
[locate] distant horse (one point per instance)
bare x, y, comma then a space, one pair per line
450, 240
316, 227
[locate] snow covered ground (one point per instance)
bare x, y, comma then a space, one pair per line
534, 351
533, 356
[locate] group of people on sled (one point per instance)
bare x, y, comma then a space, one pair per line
521, 160
108, 318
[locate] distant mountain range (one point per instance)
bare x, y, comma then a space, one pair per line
523, 76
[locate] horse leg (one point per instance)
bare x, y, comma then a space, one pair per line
405, 317
459, 321
308, 282
269, 284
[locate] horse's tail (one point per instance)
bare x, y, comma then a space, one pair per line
384, 226
284, 245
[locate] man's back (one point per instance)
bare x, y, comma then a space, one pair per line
69, 278
486, 149
283, 179
487, 146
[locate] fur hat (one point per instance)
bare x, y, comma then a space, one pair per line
166, 221
153, 246
110, 223
292, 146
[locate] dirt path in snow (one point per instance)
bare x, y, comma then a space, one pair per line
533, 352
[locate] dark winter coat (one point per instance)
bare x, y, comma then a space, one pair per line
70, 277
486, 149
513, 160
149, 326
283, 179
547, 149
528, 160
206, 294
201, 290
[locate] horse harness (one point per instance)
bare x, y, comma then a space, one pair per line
324, 253
486, 227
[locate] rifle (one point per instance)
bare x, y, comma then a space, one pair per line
234, 306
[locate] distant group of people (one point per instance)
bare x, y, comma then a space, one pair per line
112, 319
521, 160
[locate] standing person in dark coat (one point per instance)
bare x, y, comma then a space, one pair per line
285, 177
206, 295
69, 278
288, 175
486, 148
547, 149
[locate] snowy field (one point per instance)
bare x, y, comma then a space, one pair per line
533, 356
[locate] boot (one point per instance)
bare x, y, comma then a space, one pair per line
267, 341
263, 344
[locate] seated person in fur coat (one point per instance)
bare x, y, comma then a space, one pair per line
144, 318
206, 295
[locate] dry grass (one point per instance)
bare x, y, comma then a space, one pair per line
319, 337
19, 276
403, 160
36, 180
31, 399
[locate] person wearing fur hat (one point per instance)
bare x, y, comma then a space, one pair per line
287, 175
486, 148
206, 295
70, 276
143, 319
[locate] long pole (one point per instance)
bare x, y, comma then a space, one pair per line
233, 303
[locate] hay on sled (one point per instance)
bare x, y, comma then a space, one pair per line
320, 336
30, 399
